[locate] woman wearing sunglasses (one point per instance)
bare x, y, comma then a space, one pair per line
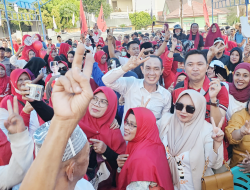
190, 140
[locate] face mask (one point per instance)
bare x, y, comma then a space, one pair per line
124, 53
177, 33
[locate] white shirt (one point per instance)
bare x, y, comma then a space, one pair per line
234, 106
83, 184
133, 90
17, 63
89, 48
123, 60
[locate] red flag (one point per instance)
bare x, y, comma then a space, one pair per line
101, 22
83, 23
205, 13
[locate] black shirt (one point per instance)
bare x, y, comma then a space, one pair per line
125, 45
201, 43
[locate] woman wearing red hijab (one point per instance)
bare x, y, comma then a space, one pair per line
4, 82
27, 50
214, 32
147, 165
101, 59
63, 52
106, 142
195, 36
5, 151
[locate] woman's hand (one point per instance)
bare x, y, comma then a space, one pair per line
220, 77
121, 160
171, 88
14, 123
245, 129
99, 146
114, 125
25, 90
218, 134
28, 108
121, 100
245, 164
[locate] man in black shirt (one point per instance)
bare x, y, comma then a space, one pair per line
125, 41
178, 33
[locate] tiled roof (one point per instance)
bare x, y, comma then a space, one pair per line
195, 10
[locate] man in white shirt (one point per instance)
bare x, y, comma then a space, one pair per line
157, 98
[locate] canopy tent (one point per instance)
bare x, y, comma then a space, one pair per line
24, 4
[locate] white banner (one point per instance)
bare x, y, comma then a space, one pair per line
73, 19
54, 23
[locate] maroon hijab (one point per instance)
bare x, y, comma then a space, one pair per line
212, 35
197, 37
243, 94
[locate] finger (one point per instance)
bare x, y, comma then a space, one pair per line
221, 122
6, 124
80, 81
95, 140
77, 62
213, 123
141, 53
143, 60
62, 83
123, 155
122, 159
15, 105
147, 102
9, 106
87, 69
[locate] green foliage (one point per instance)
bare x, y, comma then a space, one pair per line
141, 19
93, 6
123, 25
232, 18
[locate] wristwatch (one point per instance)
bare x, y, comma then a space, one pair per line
216, 104
166, 41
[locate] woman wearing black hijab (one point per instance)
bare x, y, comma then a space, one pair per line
70, 57
234, 60
33, 67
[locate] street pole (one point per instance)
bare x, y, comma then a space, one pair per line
181, 14
135, 14
212, 11
247, 1
44, 35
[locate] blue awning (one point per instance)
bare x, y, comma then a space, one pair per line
25, 4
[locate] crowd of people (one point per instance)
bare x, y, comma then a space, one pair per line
133, 112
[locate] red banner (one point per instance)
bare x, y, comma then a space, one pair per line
83, 23
205, 13
101, 22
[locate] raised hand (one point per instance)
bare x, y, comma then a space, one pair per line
213, 50
72, 92
245, 164
245, 129
99, 146
214, 88
144, 105
218, 134
20, 49
220, 77
110, 35
25, 90
134, 62
121, 160
14, 123
171, 88
28, 108
114, 125
167, 35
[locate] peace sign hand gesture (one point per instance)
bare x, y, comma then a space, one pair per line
245, 129
144, 105
134, 62
218, 134
14, 123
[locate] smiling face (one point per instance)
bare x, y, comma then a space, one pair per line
23, 77
210, 72
214, 29
2, 72
152, 70
54, 53
196, 67
183, 116
130, 128
98, 105
235, 57
241, 78
194, 28
134, 49
31, 54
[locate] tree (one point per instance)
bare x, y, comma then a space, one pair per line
232, 14
141, 19
93, 6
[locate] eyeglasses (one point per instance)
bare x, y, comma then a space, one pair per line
101, 102
189, 109
130, 125
147, 52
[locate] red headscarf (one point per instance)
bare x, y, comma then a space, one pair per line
231, 45
64, 48
14, 76
142, 163
101, 42
63, 62
166, 24
4, 85
39, 37
197, 37
50, 57
5, 151
98, 57
99, 128
27, 49
212, 35
177, 75
243, 94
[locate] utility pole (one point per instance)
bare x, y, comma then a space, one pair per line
181, 13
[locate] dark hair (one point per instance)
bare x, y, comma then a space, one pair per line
135, 33
99, 45
58, 37
8, 50
154, 56
227, 27
147, 34
130, 43
131, 112
194, 52
222, 29
248, 101
142, 35
126, 36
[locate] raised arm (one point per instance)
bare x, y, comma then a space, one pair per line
164, 44
110, 44
71, 93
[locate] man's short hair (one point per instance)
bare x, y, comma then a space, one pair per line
154, 56
130, 43
126, 36
8, 50
135, 33
147, 34
194, 52
227, 27
58, 37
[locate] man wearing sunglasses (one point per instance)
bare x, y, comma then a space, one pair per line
133, 90
214, 92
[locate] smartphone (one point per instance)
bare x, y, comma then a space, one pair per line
107, 31
221, 71
36, 91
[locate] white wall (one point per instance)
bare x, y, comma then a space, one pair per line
123, 4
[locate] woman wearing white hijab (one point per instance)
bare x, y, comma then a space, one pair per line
190, 140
